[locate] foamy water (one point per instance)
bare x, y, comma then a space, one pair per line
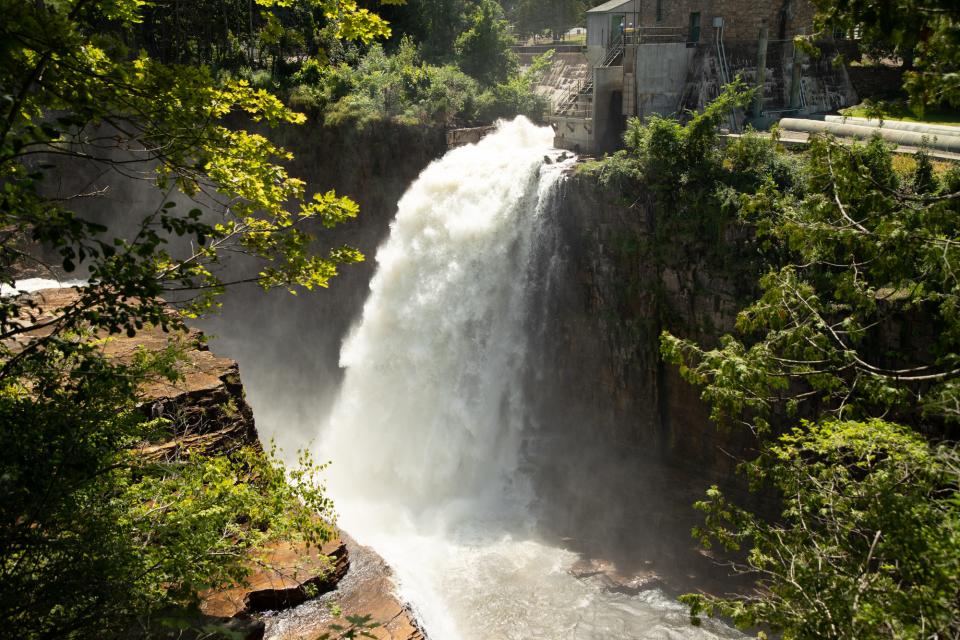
425, 436
29, 285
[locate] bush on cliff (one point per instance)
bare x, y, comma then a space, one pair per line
867, 544
403, 88
856, 329
99, 539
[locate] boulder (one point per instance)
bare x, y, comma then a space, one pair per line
611, 579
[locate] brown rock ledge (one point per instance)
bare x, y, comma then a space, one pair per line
366, 589
283, 575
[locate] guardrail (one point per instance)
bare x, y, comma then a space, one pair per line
536, 49
569, 104
615, 50
655, 35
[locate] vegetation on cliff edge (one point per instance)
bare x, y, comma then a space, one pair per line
846, 367
96, 540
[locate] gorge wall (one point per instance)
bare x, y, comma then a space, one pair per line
615, 424
289, 345
620, 281
613, 282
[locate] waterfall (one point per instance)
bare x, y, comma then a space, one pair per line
431, 397
426, 434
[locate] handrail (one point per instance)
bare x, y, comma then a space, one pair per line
578, 113
722, 57
568, 105
615, 50
656, 34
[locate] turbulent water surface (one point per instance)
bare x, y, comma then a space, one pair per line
29, 285
428, 430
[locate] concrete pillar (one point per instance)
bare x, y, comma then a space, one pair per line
795, 77
761, 70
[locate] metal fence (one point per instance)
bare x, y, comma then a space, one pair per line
655, 35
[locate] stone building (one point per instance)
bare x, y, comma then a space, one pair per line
670, 56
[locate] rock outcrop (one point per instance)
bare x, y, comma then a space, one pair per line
283, 575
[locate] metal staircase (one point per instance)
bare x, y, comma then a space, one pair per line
578, 102
614, 53
572, 104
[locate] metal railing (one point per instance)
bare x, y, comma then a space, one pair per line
655, 35
572, 103
585, 113
723, 70
613, 52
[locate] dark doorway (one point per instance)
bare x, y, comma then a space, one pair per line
693, 35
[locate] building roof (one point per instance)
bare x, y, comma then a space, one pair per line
611, 6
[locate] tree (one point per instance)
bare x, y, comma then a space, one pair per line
845, 367
483, 49
925, 34
557, 16
855, 330
94, 539
868, 540
865, 253
434, 24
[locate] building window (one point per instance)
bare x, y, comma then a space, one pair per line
694, 34
659, 10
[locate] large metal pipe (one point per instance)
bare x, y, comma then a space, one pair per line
922, 127
942, 142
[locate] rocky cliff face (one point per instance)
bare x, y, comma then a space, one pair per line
615, 425
619, 282
289, 346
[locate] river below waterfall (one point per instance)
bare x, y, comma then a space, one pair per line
429, 431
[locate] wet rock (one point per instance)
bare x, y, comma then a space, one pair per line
366, 590
606, 573
284, 575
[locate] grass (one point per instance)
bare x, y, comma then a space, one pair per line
905, 165
902, 111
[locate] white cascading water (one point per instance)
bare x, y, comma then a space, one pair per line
29, 285
425, 436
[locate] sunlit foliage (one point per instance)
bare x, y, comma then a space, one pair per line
845, 367
97, 540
